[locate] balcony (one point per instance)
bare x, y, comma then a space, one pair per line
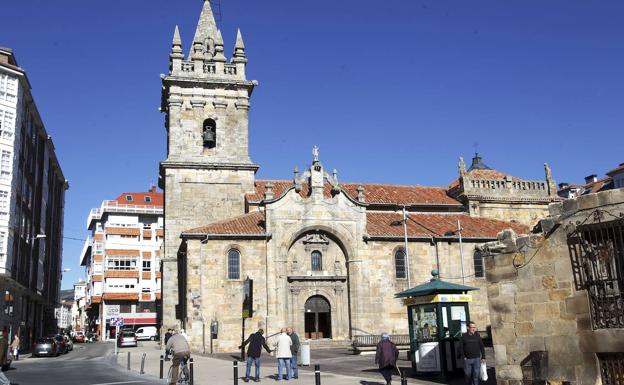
114, 207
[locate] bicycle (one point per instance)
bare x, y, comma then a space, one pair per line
184, 375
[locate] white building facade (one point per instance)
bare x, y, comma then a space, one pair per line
122, 259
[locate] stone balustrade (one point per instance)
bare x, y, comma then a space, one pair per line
507, 186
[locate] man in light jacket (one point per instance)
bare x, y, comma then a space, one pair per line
283, 354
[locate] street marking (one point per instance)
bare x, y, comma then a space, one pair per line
119, 383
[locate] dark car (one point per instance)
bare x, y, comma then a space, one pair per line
45, 347
126, 338
63, 348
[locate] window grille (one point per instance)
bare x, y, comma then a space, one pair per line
317, 261
233, 264
597, 257
121, 263
399, 264
478, 265
5, 164
611, 368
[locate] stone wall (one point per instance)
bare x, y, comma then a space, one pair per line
533, 302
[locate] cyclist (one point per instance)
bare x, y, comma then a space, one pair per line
179, 348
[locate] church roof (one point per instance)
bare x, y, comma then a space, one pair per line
248, 224
381, 224
385, 224
374, 193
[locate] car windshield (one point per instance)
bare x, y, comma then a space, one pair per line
44, 340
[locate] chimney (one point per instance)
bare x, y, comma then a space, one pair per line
153, 188
593, 178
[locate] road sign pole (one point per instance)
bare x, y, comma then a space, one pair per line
116, 331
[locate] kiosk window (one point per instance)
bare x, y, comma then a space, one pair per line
425, 323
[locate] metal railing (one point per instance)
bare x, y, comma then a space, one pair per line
373, 339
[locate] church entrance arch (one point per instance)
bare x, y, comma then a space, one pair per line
317, 318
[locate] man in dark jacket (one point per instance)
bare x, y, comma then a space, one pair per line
386, 357
256, 342
168, 335
474, 354
294, 349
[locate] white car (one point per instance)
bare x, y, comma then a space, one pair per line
147, 333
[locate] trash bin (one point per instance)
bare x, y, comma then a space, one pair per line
305, 353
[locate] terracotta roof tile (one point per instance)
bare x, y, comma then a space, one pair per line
138, 198
374, 193
247, 224
380, 224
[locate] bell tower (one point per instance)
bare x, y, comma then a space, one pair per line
207, 171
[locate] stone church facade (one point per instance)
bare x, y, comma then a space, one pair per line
325, 257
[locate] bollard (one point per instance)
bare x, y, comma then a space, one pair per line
235, 372
142, 371
162, 363
317, 374
403, 378
191, 369
128, 360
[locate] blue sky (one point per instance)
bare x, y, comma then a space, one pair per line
392, 91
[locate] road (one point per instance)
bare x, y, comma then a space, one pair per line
87, 364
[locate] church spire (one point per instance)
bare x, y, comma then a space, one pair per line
206, 26
239, 49
177, 55
219, 56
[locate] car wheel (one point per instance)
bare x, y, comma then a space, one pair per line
152, 338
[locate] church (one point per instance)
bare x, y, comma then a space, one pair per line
326, 257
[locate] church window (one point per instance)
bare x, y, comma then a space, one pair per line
478, 265
233, 264
317, 261
399, 264
209, 133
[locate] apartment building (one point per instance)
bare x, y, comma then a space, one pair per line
78, 308
122, 258
32, 199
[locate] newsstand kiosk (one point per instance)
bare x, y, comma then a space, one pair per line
437, 312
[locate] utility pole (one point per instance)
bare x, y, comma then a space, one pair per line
461, 250
407, 263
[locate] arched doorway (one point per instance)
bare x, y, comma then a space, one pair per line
317, 318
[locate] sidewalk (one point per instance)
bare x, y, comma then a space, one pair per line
213, 371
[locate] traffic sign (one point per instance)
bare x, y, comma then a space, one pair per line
116, 321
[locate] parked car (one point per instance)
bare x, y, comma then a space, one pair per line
126, 338
68, 342
79, 337
147, 333
45, 347
62, 346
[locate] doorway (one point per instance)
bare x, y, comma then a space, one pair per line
317, 318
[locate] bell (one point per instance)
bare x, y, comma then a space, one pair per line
209, 136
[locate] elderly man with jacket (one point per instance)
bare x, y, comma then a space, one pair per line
256, 342
283, 354
179, 347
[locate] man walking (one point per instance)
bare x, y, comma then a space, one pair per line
256, 342
168, 335
284, 354
178, 346
474, 354
294, 349
386, 356
4, 350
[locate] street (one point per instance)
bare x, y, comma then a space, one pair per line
87, 364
